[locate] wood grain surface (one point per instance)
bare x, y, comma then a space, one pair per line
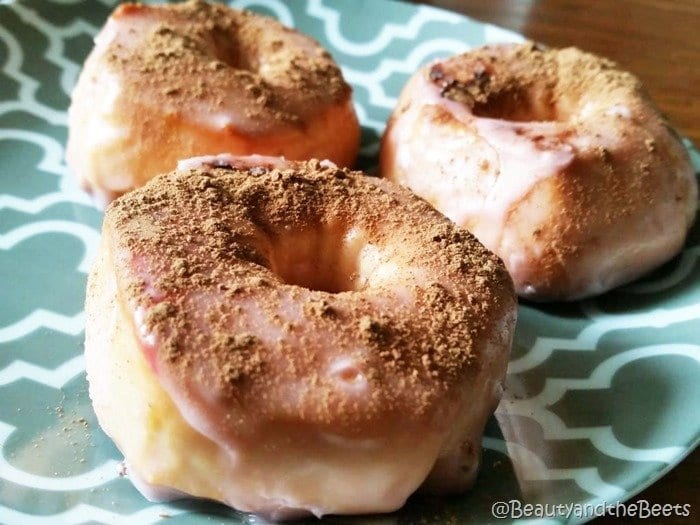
659, 41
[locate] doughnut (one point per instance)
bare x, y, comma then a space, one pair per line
165, 82
293, 338
554, 159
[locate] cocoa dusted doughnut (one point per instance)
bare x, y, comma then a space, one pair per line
293, 338
554, 158
165, 82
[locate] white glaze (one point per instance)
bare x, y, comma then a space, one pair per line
226, 160
482, 172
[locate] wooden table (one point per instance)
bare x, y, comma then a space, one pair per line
659, 41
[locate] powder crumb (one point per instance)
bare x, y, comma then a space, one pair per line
320, 308
376, 331
158, 313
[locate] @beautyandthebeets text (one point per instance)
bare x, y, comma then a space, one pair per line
515, 509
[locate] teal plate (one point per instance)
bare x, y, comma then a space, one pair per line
602, 396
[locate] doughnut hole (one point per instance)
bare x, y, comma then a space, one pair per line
317, 259
522, 93
228, 48
534, 104
226, 51
334, 260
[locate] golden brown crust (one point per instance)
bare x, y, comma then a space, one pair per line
196, 249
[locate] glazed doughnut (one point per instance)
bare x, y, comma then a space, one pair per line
167, 82
556, 160
293, 338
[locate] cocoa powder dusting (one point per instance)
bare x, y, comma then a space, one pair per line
196, 56
223, 320
588, 100
528, 81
